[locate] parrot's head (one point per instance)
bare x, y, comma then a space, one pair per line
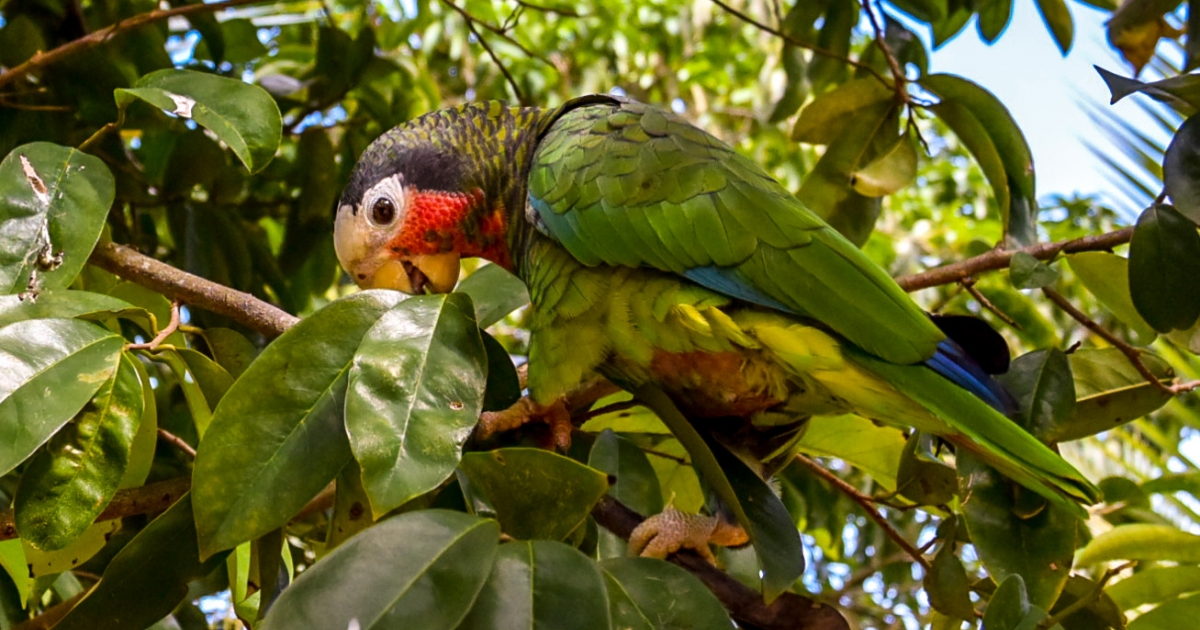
412, 209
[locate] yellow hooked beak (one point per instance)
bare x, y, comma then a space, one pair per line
436, 272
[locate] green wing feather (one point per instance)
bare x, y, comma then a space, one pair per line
635, 186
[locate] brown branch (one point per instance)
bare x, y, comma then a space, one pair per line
789, 612
898, 76
512, 82
1002, 258
501, 31
546, 9
868, 506
177, 442
969, 285
99, 37
816, 50
222, 300
162, 335
153, 497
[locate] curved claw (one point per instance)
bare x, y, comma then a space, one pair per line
671, 530
525, 411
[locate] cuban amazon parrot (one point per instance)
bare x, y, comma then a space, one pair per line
656, 255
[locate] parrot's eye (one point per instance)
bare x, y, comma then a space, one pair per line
383, 211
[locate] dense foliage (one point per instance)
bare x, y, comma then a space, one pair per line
321, 472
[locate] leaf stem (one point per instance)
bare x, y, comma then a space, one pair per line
177, 442
898, 77
162, 335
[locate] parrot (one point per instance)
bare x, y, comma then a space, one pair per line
656, 255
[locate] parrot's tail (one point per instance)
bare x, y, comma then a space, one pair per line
952, 362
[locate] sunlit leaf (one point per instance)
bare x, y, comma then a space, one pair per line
894, 169
830, 115
1106, 276
873, 449
1154, 585
1139, 541
494, 292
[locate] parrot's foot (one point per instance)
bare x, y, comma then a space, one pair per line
525, 411
672, 530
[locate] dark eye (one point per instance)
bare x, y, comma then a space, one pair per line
383, 211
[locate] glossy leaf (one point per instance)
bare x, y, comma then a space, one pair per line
230, 349
494, 292
1154, 585
414, 395
1098, 611
1141, 541
1038, 548
503, 384
1028, 272
650, 594
49, 369
63, 304
250, 477
1106, 276
79, 551
873, 449
145, 441
1109, 392
53, 200
537, 495
1042, 383
540, 585
635, 485
894, 169
420, 569
1164, 256
1177, 613
828, 116
1010, 608
147, 578
1181, 169
68, 484
243, 116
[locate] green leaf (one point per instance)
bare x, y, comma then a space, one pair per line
53, 200
1181, 169
49, 369
1180, 92
230, 349
79, 551
831, 114
243, 116
892, 170
1154, 585
1099, 612
1141, 541
992, 136
869, 447
12, 558
1058, 19
420, 569
145, 441
1038, 548
351, 507
68, 484
1171, 615
212, 379
1028, 272
147, 578
537, 494
1042, 383
923, 478
1164, 259
650, 594
636, 486
994, 16
540, 585
64, 304
1106, 276
251, 477
1010, 608
947, 585
1109, 392
503, 384
494, 292
414, 395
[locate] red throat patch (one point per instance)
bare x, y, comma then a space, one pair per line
439, 222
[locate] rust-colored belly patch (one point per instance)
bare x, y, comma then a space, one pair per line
711, 384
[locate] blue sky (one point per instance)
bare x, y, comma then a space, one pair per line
1044, 91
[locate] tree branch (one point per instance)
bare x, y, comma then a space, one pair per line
1001, 258
181, 285
897, 72
99, 37
816, 50
868, 506
789, 612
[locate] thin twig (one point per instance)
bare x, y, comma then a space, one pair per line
99, 37
538, 7
194, 290
969, 285
817, 50
898, 76
501, 31
177, 442
162, 335
1133, 354
1000, 258
469, 20
868, 506
1086, 600
600, 411
675, 458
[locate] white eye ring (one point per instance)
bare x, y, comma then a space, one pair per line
384, 204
